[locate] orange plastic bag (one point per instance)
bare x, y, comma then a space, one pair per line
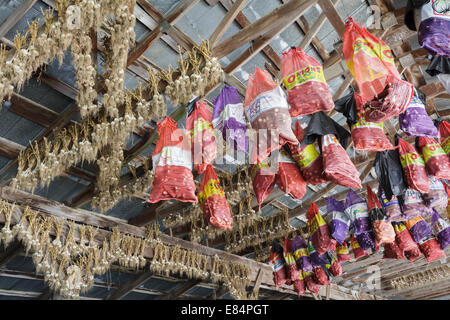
289, 178
199, 124
212, 199
173, 165
263, 181
267, 111
305, 83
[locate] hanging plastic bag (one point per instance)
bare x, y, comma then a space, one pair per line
436, 197
173, 165
390, 173
366, 240
320, 276
278, 264
391, 207
308, 159
316, 258
228, 118
447, 189
318, 229
403, 238
444, 131
383, 229
333, 265
301, 254
416, 122
431, 249
199, 124
292, 272
392, 251
372, 64
441, 229
437, 162
299, 284
267, 111
418, 228
305, 83
413, 205
413, 255
340, 222
413, 167
289, 178
212, 199
343, 253
311, 285
263, 180
356, 209
357, 250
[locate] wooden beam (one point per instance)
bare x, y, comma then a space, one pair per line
126, 288
15, 16
180, 290
10, 253
333, 16
226, 22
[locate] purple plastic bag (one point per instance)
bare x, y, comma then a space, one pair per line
316, 259
418, 228
340, 222
366, 240
391, 207
228, 117
301, 254
416, 122
413, 204
441, 230
436, 196
356, 209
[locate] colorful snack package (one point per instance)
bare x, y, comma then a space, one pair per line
199, 124
212, 199
343, 253
413, 254
413, 205
366, 240
357, 250
436, 197
416, 122
418, 228
337, 165
292, 272
403, 238
340, 222
431, 249
391, 207
228, 117
263, 181
311, 285
436, 160
299, 284
172, 161
289, 178
356, 210
441, 229
316, 258
305, 83
413, 167
318, 229
390, 173
301, 255
392, 251
308, 159
278, 264
444, 131
267, 111
383, 229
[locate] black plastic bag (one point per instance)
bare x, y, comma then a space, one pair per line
322, 125
438, 65
347, 106
390, 173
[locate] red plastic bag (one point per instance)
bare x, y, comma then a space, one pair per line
263, 180
343, 253
199, 124
310, 283
337, 165
372, 64
392, 251
308, 159
334, 266
383, 229
368, 135
318, 229
431, 249
278, 264
305, 83
299, 285
267, 110
403, 238
292, 271
173, 165
320, 276
447, 189
212, 199
413, 167
289, 178
357, 250
413, 254
444, 131
436, 161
